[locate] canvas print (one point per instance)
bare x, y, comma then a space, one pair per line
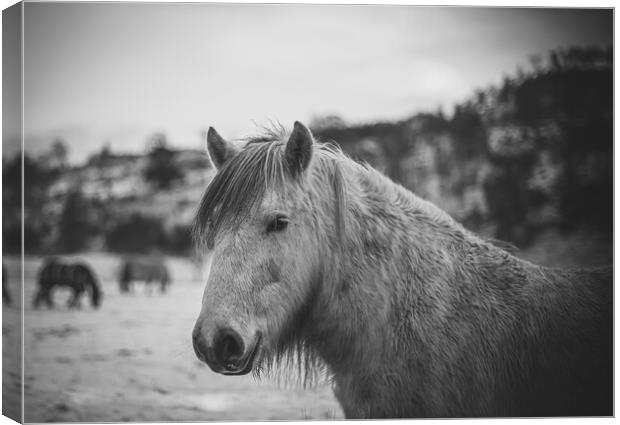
218, 212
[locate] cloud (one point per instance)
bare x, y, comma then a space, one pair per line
120, 71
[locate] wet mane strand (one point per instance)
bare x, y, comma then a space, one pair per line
241, 182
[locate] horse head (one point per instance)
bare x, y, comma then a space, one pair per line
259, 218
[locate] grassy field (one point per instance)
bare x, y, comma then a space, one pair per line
132, 359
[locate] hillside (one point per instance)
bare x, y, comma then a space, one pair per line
119, 181
532, 155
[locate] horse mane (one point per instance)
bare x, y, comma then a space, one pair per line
374, 182
241, 183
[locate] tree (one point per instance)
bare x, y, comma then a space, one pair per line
11, 204
56, 157
37, 179
162, 171
59, 154
74, 227
137, 233
320, 123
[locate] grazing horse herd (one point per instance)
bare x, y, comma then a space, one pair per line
81, 279
323, 265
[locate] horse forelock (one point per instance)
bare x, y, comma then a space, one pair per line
242, 182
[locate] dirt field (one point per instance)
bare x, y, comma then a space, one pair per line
132, 359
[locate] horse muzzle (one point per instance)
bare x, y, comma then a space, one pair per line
227, 353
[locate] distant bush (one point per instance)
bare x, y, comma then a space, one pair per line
12, 239
137, 233
77, 224
162, 171
180, 239
141, 234
38, 224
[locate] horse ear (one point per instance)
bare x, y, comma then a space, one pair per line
298, 151
219, 149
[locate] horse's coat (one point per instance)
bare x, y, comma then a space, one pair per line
412, 315
147, 269
77, 276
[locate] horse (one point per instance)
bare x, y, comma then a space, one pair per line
324, 264
6, 296
76, 276
147, 269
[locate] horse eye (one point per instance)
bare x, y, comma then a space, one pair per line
278, 224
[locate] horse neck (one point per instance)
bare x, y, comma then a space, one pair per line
389, 229
399, 253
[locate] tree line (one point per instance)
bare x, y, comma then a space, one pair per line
71, 221
531, 153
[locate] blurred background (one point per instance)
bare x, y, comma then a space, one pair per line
502, 117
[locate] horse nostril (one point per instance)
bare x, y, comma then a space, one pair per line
229, 348
200, 345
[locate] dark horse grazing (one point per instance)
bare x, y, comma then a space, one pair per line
320, 262
147, 269
77, 276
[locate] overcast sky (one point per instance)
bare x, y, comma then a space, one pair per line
119, 72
